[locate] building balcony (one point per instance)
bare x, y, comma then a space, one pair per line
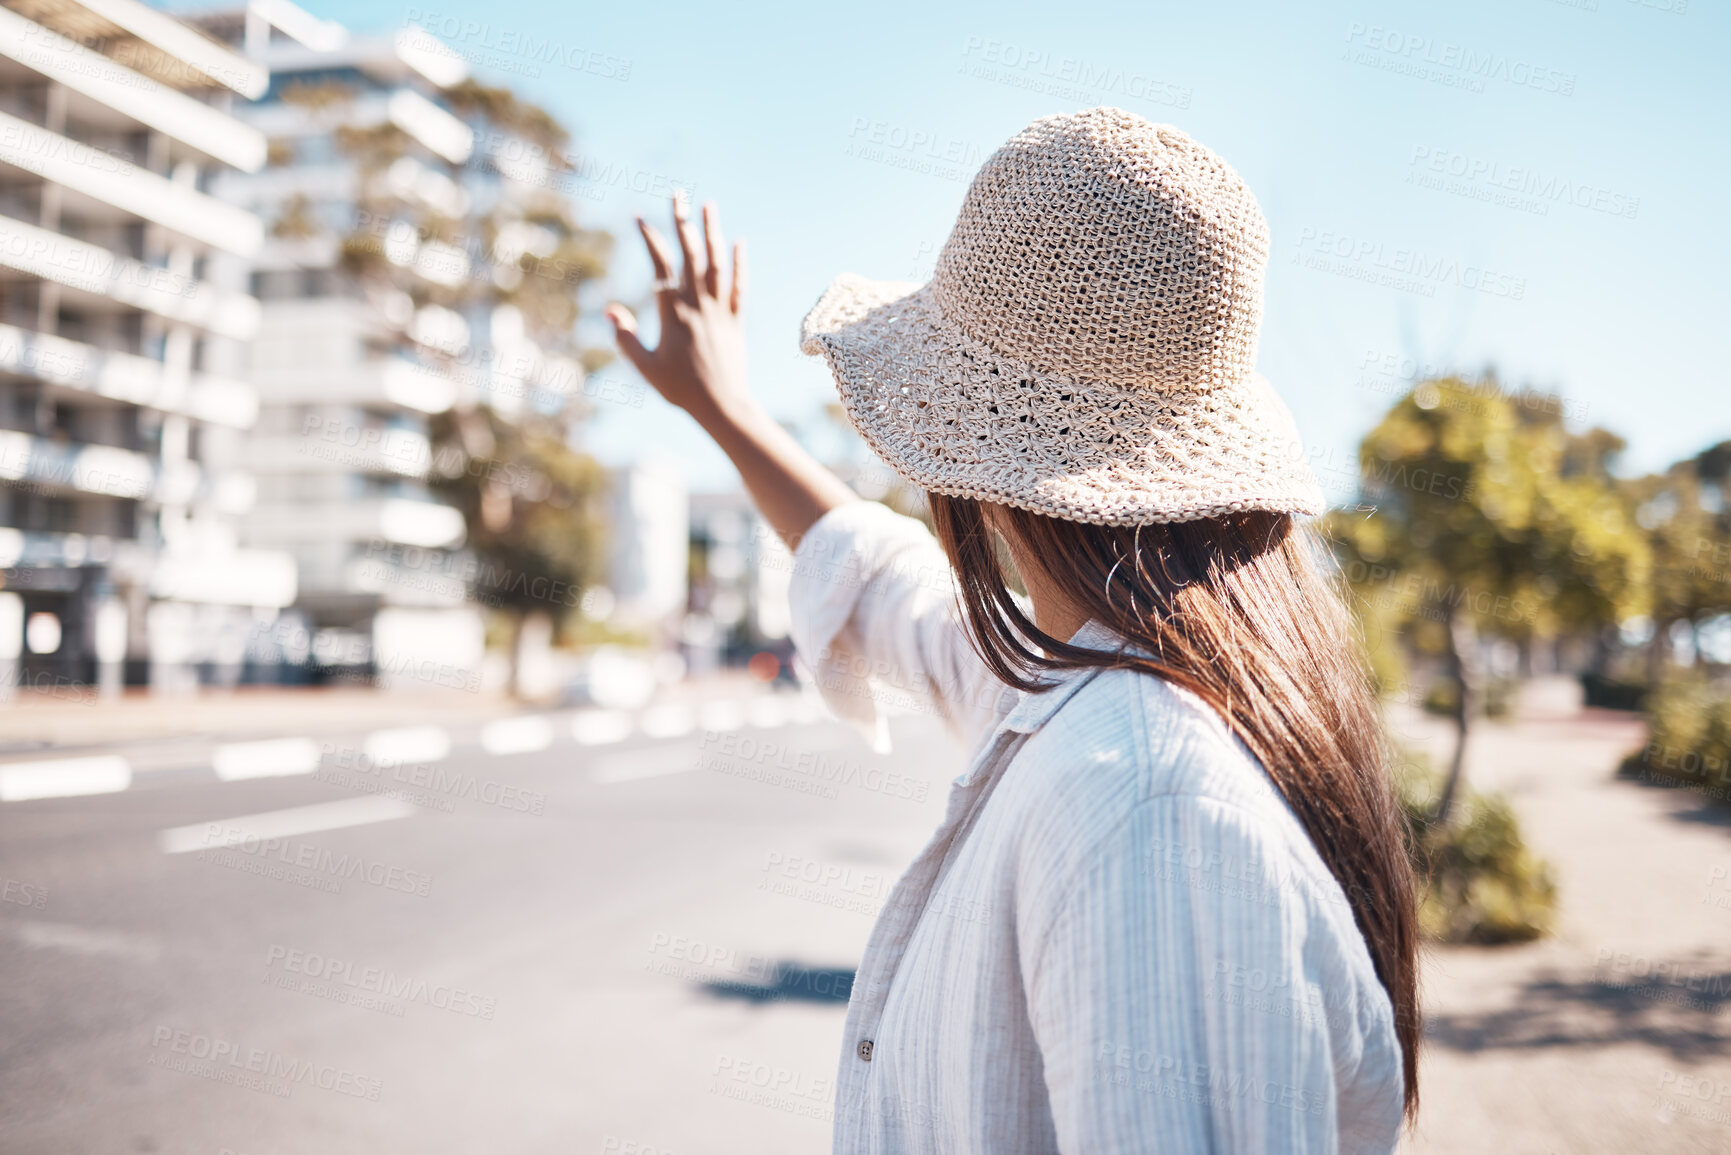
94, 270
329, 447
104, 82
436, 130
382, 382
267, 191
392, 519
27, 549
119, 185
125, 377
156, 44
239, 577
73, 467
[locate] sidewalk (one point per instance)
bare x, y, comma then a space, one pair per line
1614, 1035
42, 724
71, 749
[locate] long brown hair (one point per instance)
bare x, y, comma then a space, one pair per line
1237, 610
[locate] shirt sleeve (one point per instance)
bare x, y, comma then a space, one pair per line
874, 617
1170, 1000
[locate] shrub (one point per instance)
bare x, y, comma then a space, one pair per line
1478, 881
1688, 737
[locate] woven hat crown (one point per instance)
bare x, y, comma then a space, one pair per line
1086, 346
1099, 247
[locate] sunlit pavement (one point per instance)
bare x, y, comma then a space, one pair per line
1614, 1035
571, 931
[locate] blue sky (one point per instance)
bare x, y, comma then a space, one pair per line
1555, 172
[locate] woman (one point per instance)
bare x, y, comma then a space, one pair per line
1169, 907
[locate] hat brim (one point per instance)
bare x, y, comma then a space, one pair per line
955, 418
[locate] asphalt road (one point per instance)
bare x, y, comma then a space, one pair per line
585, 932
638, 946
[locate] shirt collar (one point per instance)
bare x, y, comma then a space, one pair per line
1034, 708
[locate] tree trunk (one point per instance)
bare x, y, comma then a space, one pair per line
1463, 661
530, 655
514, 655
1658, 652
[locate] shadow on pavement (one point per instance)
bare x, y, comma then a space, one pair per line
1713, 804
790, 982
1679, 1013
1710, 813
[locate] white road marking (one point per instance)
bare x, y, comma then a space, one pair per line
805, 709
766, 713
517, 735
600, 727
249, 828
275, 758
669, 721
87, 940
723, 715
408, 744
64, 778
654, 762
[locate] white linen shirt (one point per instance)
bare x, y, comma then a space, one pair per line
1119, 939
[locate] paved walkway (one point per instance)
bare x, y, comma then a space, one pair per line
1615, 1035
38, 721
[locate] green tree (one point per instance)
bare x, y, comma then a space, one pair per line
1481, 516
1687, 523
534, 511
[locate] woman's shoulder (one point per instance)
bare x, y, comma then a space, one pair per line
1131, 774
1127, 735
1128, 741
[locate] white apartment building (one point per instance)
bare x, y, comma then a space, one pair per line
349, 376
649, 551
124, 320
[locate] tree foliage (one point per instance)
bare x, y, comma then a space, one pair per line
533, 507
1686, 519
502, 108
1482, 515
1478, 502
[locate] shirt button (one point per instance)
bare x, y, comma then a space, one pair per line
864, 1050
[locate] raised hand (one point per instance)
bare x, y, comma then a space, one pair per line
699, 364
700, 367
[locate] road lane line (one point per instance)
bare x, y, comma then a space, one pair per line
64, 778
651, 763
408, 744
221, 832
517, 735
86, 940
275, 758
806, 710
766, 713
723, 715
669, 721
600, 727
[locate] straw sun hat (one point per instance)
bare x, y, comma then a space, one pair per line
1086, 346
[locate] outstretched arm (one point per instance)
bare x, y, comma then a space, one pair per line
700, 367
872, 596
